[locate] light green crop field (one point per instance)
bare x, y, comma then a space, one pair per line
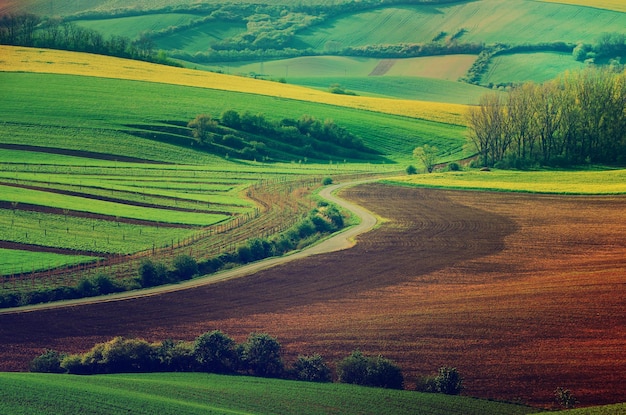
17, 261
559, 182
197, 393
529, 67
490, 21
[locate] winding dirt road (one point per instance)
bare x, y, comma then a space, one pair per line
339, 241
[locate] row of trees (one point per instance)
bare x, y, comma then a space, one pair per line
33, 31
577, 118
215, 352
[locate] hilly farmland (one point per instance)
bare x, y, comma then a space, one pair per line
136, 185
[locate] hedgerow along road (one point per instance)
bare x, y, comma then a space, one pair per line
339, 241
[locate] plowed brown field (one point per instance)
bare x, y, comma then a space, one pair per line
522, 293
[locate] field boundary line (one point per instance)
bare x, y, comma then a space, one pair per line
341, 240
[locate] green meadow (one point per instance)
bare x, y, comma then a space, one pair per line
197, 393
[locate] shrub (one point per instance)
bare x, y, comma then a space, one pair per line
411, 169
353, 369
449, 381
215, 352
185, 267
454, 166
327, 181
384, 373
261, 355
48, 362
426, 384
311, 369
565, 398
152, 274
176, 356
370, 371
127, 355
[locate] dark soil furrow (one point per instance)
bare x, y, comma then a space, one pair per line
78, 153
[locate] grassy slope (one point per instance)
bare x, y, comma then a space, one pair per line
140, 102
197, 393
509, 21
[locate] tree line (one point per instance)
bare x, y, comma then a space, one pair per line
253, 136
578, 118
33, 31
215, 352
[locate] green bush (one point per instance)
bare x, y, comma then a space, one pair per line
327, 181
260, 355
48, 362
411, 169
311, 369
215, 352
185, 267
152, 274
367, 371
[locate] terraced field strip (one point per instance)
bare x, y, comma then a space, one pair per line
17, 59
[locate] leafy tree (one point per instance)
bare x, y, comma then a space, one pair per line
231, 118
449, 381
215, 352
261, 355
311, 369
427, 155
202, 126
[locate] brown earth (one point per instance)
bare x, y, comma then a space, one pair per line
522, 293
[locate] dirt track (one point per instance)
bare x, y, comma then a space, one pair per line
523, 293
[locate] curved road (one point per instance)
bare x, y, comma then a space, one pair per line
339, 241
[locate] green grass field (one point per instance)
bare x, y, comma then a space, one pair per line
529, 67
196, 393
32, 114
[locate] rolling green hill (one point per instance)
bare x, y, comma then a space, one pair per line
489, 21
197, 393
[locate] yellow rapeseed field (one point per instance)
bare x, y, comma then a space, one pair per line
617, 5
20, 59
561, 182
